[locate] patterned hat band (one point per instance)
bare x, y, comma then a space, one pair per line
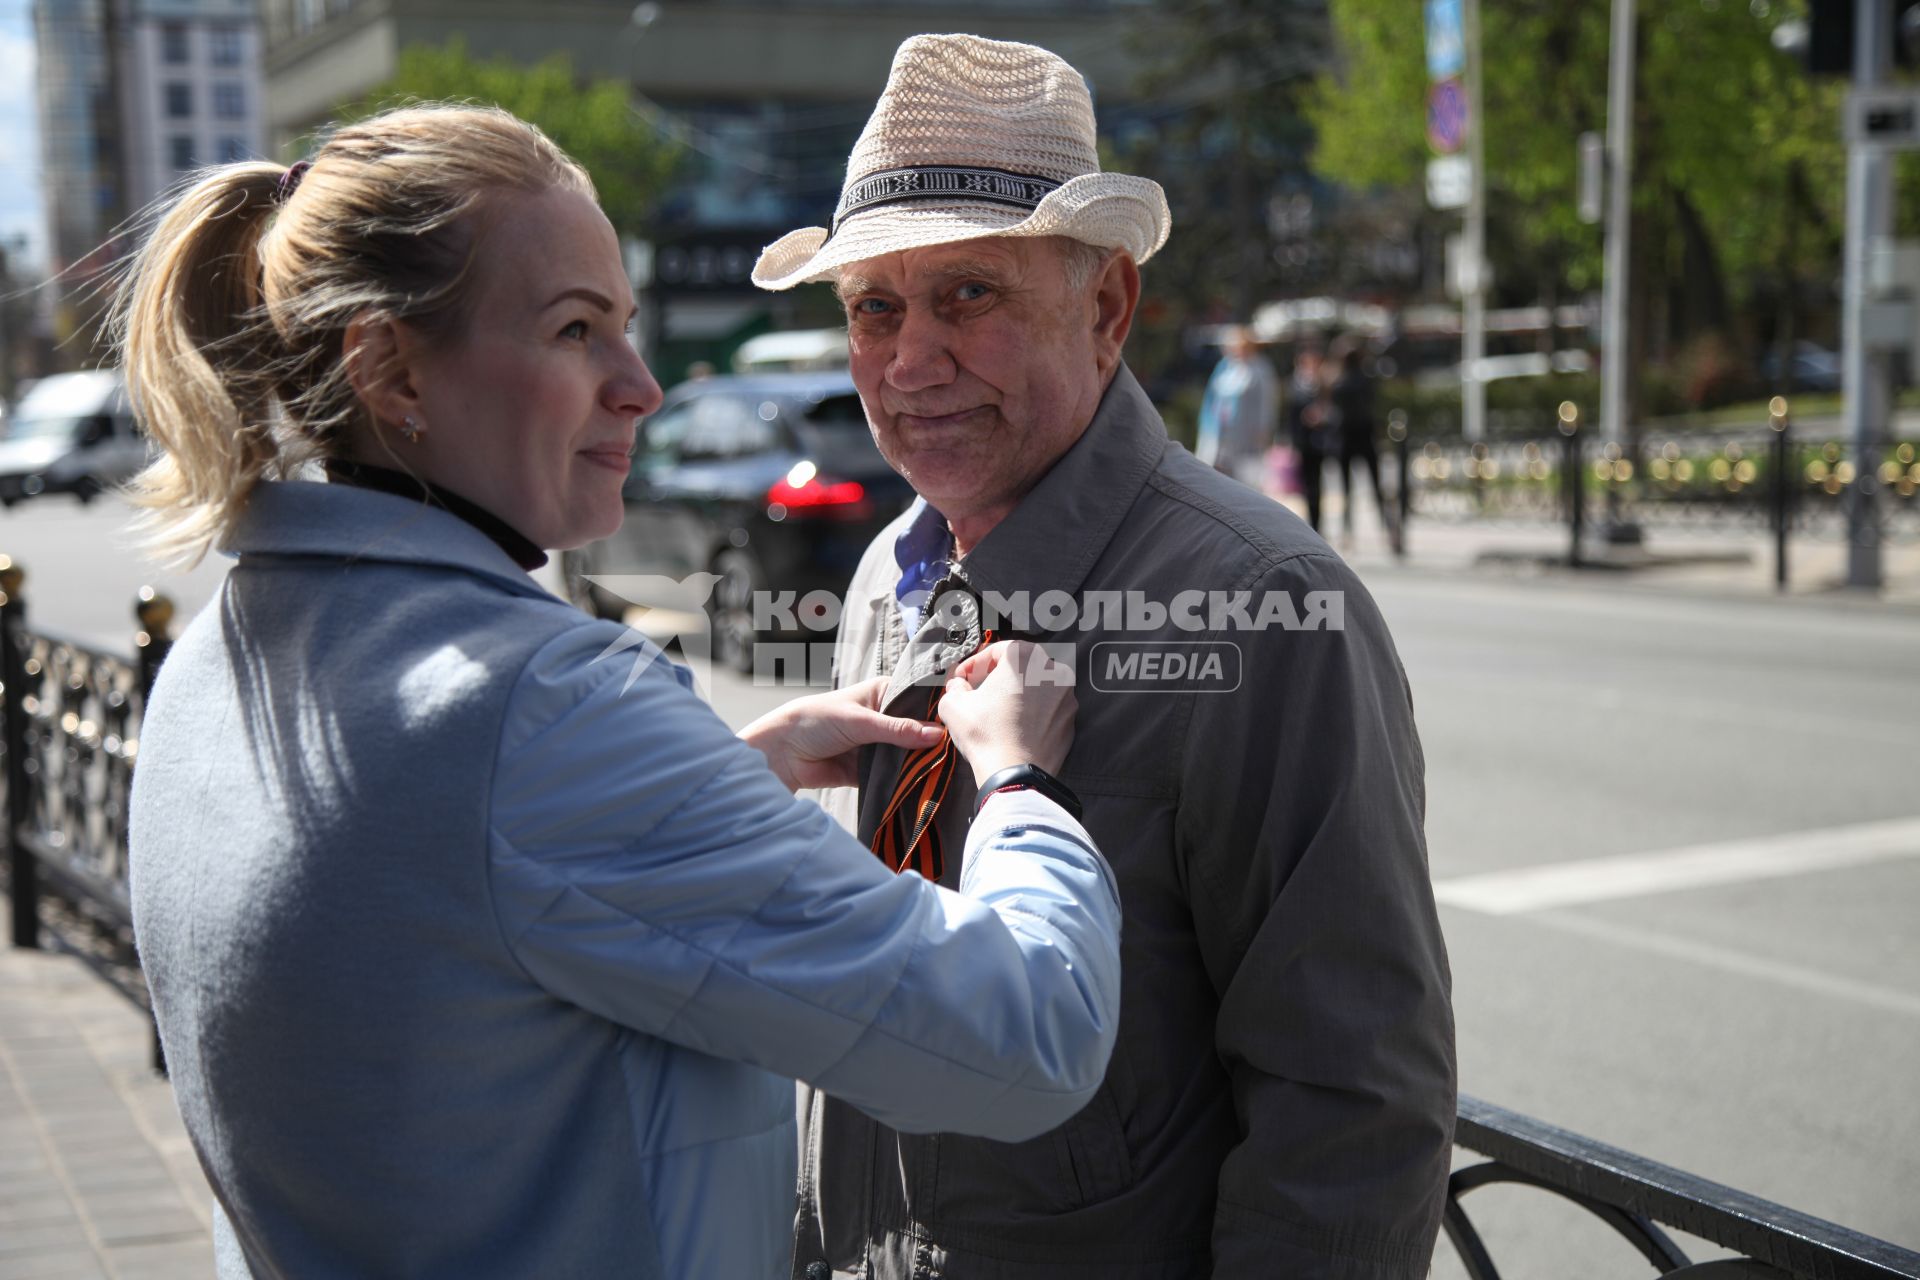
955, 150
941, 183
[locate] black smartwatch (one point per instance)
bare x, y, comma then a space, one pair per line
1033, 778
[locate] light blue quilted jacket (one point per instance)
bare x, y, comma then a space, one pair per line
469, 962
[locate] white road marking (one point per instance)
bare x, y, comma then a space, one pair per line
1565, 884
1739, 963
1901, 733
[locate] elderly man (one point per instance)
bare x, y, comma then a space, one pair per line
1281, 1100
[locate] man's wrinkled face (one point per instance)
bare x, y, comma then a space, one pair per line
978, 363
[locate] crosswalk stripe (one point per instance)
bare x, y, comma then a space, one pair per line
1564, 884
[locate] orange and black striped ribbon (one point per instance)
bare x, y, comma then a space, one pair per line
908, 837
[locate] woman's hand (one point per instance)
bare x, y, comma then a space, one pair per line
1010, 704
815, 741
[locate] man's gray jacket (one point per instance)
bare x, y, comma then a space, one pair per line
1281, 1100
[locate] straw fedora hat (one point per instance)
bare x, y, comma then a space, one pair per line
973, 138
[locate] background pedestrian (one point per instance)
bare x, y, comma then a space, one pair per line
1352, 398
1240, 411
1309, 424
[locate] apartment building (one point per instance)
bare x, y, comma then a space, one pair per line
766, 96
132, 94
190, 89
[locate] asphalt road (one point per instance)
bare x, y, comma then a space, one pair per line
1761, 1031
1744, 1004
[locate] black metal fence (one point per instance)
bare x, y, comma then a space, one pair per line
1766, 478
69, 734
72, 718
1636, 1197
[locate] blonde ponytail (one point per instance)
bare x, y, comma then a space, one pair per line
191, 331
233, 315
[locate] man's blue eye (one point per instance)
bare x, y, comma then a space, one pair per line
971, 292
870, 306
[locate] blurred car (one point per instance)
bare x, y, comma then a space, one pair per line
770, 482
792, 350
1524, 364
70, 433
1812, 368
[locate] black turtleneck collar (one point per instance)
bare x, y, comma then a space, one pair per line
365, 475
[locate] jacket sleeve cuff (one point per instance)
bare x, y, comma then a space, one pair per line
1021, 807
1014, 813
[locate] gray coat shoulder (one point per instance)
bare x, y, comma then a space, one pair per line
1221, 529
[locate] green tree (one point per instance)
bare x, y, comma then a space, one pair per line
594, 122
1737, 160
1215, 119
1232, 72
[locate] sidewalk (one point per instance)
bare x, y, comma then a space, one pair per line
97, 1179
1695, 563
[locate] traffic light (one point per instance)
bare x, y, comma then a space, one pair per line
1825, 40
1830, 37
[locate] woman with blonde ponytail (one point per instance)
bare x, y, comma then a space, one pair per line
473, 954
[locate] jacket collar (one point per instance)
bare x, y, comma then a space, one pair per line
407, 485
349, 523
1054, 537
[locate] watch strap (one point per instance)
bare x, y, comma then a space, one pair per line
1033, 778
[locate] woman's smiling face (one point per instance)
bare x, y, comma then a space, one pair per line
531, 408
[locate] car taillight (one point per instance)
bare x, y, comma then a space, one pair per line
803, 491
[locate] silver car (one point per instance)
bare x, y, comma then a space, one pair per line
70, 433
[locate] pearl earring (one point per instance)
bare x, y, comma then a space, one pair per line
411, 429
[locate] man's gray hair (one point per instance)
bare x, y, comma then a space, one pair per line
1080, 260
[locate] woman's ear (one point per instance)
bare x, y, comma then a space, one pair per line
378, 356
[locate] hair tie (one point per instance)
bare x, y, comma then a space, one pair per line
290, 181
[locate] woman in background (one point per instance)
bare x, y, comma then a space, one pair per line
1239, 411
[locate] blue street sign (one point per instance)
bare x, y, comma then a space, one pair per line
1446, 40
1447, 116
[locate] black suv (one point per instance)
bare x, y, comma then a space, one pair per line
770, 481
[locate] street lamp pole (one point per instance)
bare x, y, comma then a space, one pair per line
1473, 386
1614, 344
1864, 373
639, 255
